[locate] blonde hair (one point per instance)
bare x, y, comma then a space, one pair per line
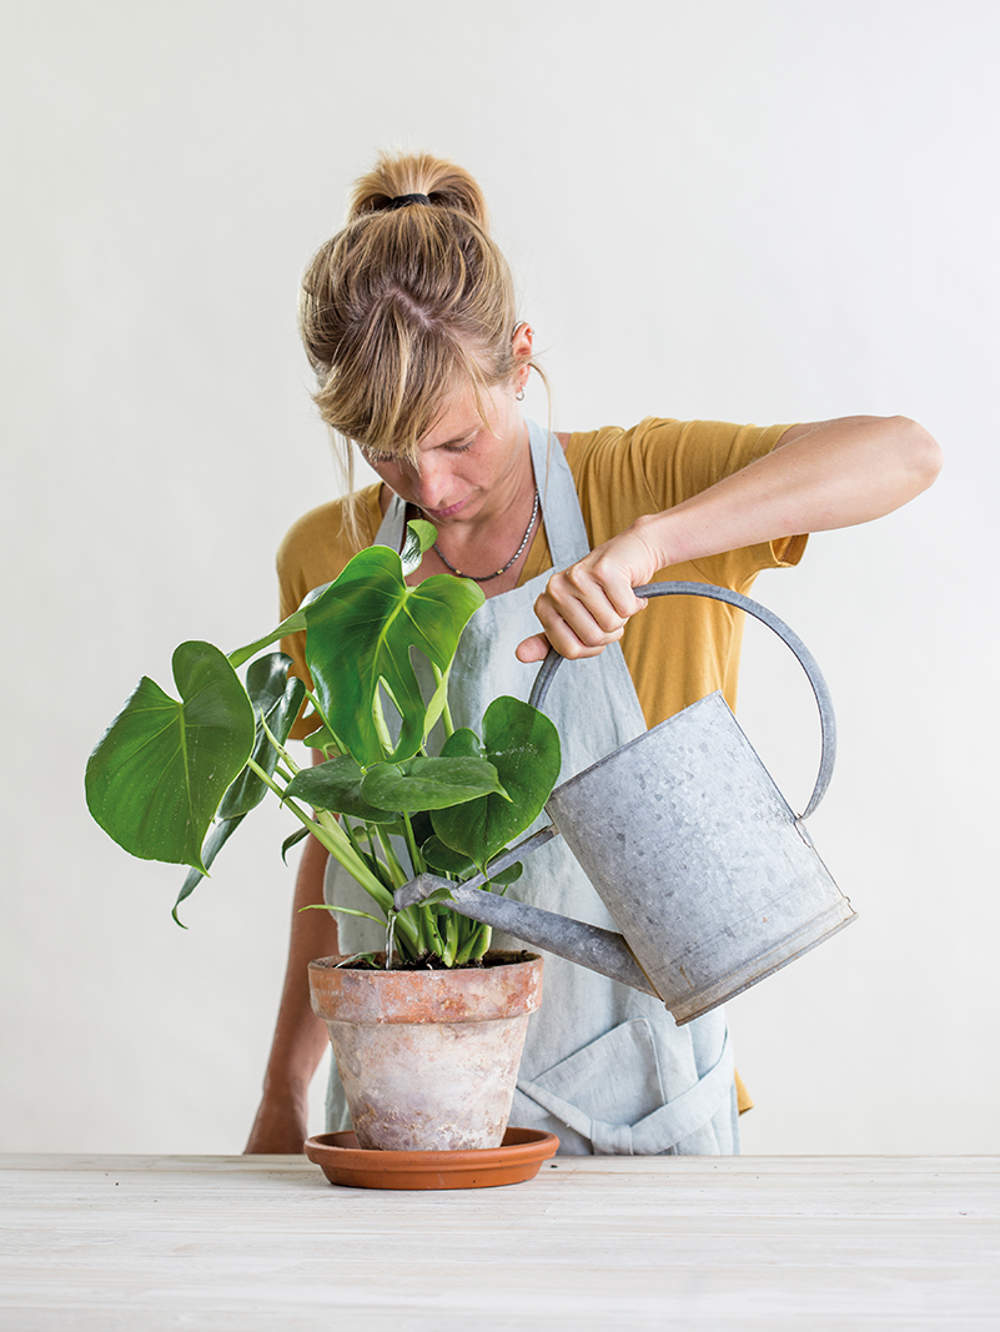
403, 305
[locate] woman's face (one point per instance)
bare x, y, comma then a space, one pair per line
467, 470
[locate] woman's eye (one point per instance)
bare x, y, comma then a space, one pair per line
461, 448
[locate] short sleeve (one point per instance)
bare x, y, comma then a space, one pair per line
314, 552
680, 459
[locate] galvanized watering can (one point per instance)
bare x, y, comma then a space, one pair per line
711, 877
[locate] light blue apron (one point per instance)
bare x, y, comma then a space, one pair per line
604, 1067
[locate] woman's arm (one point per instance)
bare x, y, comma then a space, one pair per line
819, 476
300, 1038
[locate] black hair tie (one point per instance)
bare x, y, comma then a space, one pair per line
401, 200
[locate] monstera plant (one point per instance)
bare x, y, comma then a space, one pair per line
174, 777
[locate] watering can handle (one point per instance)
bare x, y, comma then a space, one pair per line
806, 661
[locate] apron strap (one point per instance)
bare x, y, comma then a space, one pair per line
564, 526
390, 532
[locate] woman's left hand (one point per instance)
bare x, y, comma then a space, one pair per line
586, 607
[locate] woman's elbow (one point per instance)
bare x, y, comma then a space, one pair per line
921, 453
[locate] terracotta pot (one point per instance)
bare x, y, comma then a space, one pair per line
428, 1059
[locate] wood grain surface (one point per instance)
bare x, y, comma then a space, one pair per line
208, 1242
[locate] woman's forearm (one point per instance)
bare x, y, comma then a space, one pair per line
300, 1038
835, 474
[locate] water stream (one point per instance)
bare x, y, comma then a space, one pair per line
390, 938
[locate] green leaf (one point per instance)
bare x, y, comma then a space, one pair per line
523, 746
464, 743
346, 961
216, 840
429, 783
506, 877
343, 911
438, 895
294, 624
323, 739
420, 823
292, 840
155, 780
420, 536
361, 630
336, 785
276, 696
436, 703
444, 859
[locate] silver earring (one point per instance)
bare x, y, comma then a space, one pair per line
520, 396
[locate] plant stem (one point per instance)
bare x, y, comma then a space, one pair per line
451, 920
331, 835
462, 955
338, 743
446, 721
333, 838
435, 943
485, 937
416, 859
351, 834
410, 916
284, 756
396, 871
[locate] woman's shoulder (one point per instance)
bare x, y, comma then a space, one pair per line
319, 541
608, 445
611, 452
658, 446
611, 436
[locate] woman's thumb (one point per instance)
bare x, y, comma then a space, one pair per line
535, 648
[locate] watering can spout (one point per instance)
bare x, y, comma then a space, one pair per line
588, 945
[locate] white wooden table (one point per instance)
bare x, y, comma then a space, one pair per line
212, 1242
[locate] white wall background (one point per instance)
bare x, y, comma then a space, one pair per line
767, 212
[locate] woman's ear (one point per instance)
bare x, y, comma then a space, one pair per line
522, 346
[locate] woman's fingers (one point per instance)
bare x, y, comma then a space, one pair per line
579, 618
603, 585
578, 624
586, 607
536, 647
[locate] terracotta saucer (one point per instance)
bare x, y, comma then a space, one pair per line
516, 1159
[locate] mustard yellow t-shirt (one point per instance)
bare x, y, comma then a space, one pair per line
679, 648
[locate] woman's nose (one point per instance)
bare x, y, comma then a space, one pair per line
434, 480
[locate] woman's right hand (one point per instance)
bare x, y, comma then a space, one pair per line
280, 1125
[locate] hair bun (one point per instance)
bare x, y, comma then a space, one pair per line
395, 174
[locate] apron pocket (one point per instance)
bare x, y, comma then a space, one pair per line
603, 1089
611, 1093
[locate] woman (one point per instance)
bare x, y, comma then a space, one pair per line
408, 318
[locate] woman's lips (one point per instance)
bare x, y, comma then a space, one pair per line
445, 513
